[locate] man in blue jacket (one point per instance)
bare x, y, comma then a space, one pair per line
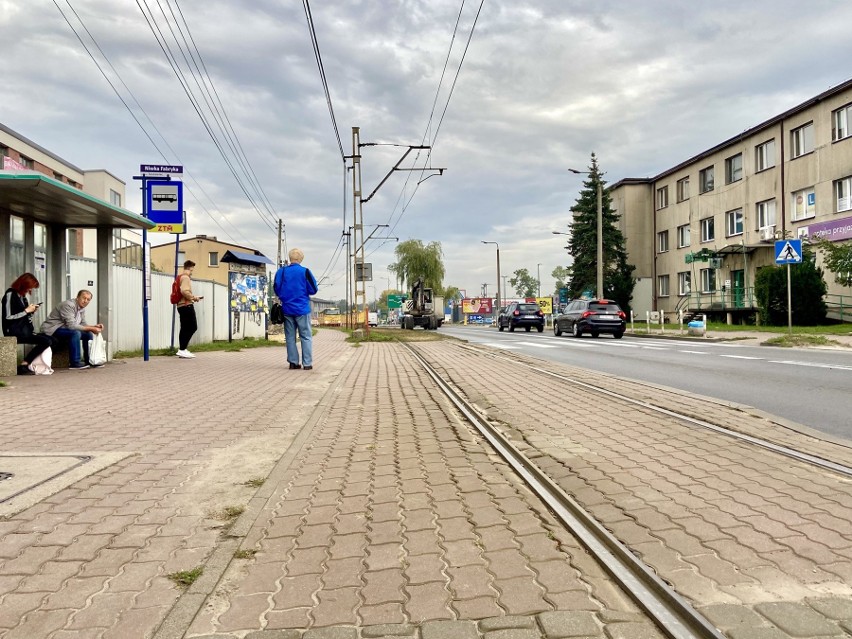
294, 285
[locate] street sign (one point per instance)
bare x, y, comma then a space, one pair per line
161, 168
164, 205
363, 272
788, 252
394, 301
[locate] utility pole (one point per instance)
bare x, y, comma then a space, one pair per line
360, 294
279, 242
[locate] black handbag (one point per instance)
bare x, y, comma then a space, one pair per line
276, 313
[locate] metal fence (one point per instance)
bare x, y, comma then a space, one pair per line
125, 323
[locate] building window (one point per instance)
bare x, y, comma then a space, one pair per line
662, 197
683, 189
802, 140
57, 176
734, 168
708, 229
683, 283
766, 214
840, 123
764, 156
663, 285
683, 236
4, 151
214, 258
705, 179
708, 280
734, 222
114, 198
26, 162
181, 258
663, 241
843, 194
804, 204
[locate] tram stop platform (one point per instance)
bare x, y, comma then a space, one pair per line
227, 497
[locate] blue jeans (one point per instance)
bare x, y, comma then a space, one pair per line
76, 354
303, 323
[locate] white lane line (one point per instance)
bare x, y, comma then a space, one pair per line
507, 347
740, 357
537, 345
696, 352
811, 364
654, 348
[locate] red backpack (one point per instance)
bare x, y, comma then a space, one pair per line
176, 295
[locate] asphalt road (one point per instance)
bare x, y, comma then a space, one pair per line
804, 385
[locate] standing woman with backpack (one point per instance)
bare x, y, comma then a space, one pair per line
17, 312
183, 298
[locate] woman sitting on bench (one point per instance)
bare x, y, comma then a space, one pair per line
17, 314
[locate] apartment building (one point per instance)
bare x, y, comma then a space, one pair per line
699, 231
213, 258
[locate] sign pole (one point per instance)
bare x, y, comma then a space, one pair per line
789, 303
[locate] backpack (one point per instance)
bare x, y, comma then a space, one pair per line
176, 295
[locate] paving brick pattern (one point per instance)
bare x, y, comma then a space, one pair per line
395, 519
734, 528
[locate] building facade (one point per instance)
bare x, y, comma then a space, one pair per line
698, 232
207, 253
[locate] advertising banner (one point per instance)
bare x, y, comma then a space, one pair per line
833, 230
545, 304
478, 305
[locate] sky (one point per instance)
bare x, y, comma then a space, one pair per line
535, 90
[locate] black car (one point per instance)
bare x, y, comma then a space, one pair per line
525, 314
591, 316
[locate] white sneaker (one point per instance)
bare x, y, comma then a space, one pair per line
185, 354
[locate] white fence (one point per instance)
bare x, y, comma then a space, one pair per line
125, 325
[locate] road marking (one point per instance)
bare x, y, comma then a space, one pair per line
507, 347
654, 348
740, 357
812, 365
696, 352
537, 345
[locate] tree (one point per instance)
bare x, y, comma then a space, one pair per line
562, 275
838, 260
618, 274
525, 285
807, 288
416, 261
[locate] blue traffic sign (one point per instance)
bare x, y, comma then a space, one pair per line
788, 252
164, 205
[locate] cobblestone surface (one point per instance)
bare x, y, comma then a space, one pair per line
383, 515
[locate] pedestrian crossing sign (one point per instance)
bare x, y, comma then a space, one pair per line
788, 252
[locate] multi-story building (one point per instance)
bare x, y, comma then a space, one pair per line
699, 231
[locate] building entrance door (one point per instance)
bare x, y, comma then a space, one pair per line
738, 288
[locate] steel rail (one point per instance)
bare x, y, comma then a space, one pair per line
807, 458
671, 612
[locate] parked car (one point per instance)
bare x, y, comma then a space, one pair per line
521, 314
500, 314
591, 316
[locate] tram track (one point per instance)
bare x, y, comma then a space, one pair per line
672, 613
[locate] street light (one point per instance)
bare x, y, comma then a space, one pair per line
538, 266
498, 269
600, 230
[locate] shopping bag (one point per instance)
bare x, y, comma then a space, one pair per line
97, 351
276, 313
41, 365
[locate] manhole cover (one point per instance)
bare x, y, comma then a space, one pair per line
27, 478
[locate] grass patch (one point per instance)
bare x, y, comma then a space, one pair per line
185, 578
395, 335
229, 513
789, 341
255, 482
245, 554
231, 347
828, 329
3, 384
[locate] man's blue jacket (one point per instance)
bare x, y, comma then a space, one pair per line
294, 285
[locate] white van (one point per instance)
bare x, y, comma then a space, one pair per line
373, 318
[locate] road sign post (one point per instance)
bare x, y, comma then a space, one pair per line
788, 252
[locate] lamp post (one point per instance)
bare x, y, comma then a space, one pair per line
538, 266
498, 270
600, 287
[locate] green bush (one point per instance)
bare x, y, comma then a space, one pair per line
807, 291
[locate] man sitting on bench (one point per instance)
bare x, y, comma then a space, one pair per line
67, 322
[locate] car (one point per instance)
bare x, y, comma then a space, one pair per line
521, 314
591, 316
500, 314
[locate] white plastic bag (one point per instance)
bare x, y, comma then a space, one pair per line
97, 351
41, 365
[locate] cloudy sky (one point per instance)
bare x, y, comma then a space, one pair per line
643, 84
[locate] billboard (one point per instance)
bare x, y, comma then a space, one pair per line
478, 305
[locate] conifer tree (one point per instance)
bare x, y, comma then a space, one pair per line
617, 273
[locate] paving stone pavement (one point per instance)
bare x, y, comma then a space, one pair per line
383, 515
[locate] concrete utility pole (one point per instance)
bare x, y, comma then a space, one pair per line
279, 243
360, 298
539, 279
498, 269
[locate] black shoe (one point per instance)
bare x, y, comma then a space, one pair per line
309, 368
78, 367
294, 366
23, 369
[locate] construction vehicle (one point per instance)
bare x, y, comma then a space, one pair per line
422, 309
